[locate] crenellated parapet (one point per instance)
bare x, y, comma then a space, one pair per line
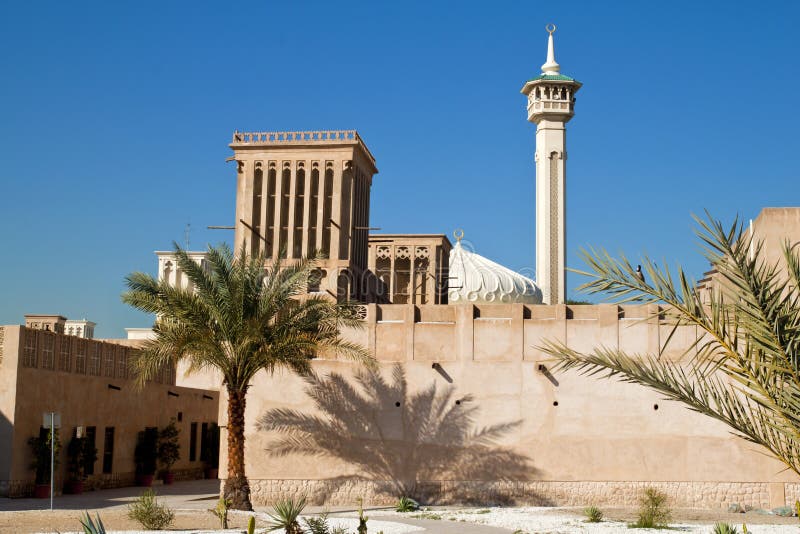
513, 332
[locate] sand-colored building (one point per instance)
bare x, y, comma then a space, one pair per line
465, 407
87, 382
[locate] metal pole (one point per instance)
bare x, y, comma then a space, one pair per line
52, 453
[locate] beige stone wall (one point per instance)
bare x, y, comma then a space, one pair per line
541, 493
563, 431
108, 399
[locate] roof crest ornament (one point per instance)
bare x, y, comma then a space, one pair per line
458, 233
550, 66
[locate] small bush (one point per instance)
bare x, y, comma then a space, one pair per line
221, 511
149, 513
317, 525
407, 504
653, 510
724, 528
593, 514
284, 515
251, 525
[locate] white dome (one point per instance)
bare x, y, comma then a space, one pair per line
475, 279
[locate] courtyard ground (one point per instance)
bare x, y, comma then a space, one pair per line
192, 500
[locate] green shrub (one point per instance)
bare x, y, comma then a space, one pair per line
593, 514
40, 447
251, 525
724, 528
221, 511
317, 525
168, 445
149, 513
407, 504
284, 515
90, 527
653, 510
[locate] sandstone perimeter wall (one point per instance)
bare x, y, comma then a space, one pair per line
563, 438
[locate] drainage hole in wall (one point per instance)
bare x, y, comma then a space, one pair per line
655, 406
555, 403
397, 404
458, 403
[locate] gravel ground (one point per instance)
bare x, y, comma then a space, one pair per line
571, 521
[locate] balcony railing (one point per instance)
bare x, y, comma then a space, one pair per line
280, 138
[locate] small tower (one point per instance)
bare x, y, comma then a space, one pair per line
551, 104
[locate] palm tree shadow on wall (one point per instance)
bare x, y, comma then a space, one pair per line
409, 441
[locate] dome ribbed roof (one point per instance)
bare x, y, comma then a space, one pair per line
478, 280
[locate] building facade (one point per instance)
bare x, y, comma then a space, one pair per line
87, 382
464, 407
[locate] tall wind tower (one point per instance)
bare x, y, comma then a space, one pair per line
551, 104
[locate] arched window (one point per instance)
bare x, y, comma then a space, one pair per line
299, 199
286, 181
270, 226
313, 205
258, 180
326, 211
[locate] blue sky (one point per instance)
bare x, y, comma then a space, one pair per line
115, 119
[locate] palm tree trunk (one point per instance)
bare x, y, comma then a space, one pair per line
236, 487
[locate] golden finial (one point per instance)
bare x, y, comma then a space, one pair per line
551, 28
459, 235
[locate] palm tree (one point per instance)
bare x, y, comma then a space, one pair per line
241, 316
745, 368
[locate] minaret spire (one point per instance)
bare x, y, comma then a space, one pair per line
550, 66
551, 104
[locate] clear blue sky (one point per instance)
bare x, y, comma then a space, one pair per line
115, 120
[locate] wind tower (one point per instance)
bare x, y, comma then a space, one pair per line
551, 104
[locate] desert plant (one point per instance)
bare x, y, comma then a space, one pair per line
92, 527
744, 369
221, 511
169, 448
148, 512
317, 525
653, 510
284, 515
593, 514
40, 447
744, 529
407, 504
251, 525
724, 528
797, 508
239, 318
362, 519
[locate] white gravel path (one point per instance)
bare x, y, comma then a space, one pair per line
561, 521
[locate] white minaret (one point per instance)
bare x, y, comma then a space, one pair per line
551, 104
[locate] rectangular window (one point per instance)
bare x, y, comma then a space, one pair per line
80, 356
193, 442
108, 450
48, 351
203, 441
94, 359
91, 439
29, 354
108, 361
64, 357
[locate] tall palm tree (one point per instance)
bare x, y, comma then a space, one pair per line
240, 316
744, 370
